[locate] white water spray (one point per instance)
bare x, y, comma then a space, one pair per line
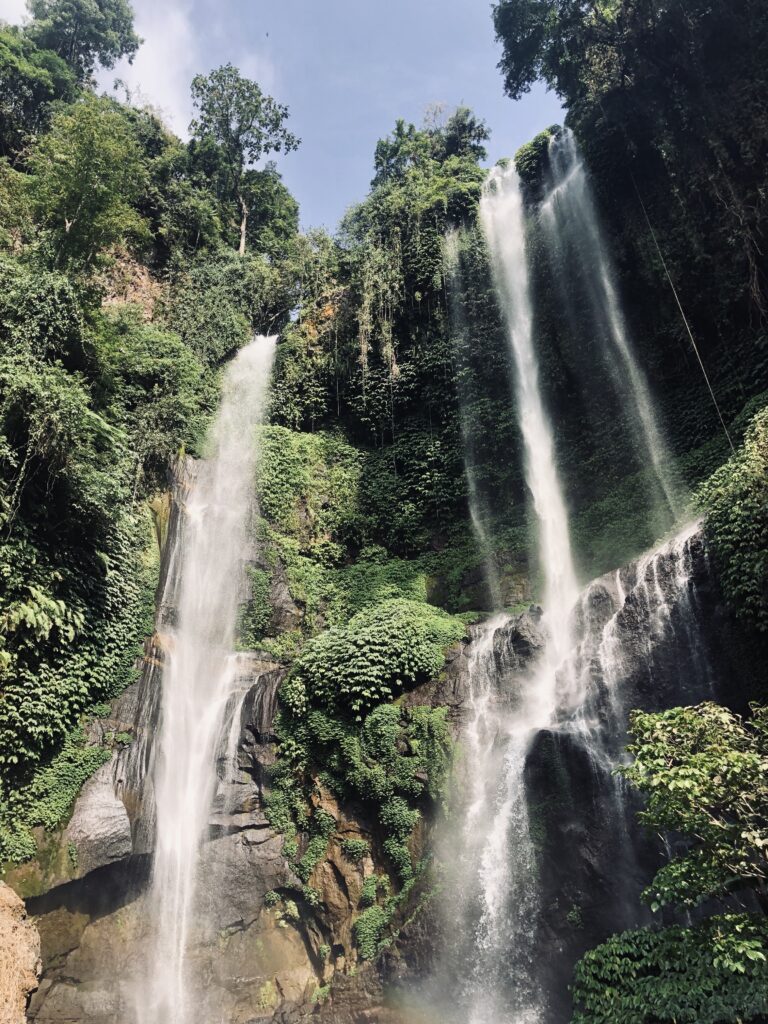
498, 846
569, 214
503, 220
200, 676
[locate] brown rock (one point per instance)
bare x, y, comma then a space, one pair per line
19, 957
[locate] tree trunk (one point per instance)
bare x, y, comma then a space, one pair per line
243, 225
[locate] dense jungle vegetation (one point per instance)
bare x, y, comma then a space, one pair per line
134, 265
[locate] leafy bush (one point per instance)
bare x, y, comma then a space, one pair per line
369, 928
49, 796
383, 651
355, 849
702, 771
391, 761
709, 974
735, 503
368, 893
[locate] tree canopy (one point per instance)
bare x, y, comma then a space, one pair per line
703, 771
244, 123
84, 33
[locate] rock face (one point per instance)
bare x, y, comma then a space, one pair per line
639, 646
99, 832
19, 957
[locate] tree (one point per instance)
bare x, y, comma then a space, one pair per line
704, 773
84, 32
31, 80
88, 172
245, 124
464, 135
716, 973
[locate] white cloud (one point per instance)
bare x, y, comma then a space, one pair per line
258, 68
13, 11
166, 63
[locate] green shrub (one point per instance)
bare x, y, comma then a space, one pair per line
383, 651
706, 974
355, 849
735, 504
368, 894
368, 929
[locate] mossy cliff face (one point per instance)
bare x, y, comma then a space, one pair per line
317, 861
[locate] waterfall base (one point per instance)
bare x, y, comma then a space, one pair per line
645, 639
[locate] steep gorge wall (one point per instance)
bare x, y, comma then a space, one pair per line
271, 959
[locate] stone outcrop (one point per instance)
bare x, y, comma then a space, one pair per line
19, 957
293, 960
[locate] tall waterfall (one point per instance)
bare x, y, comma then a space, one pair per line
572, 229
199, 676
513, 879
564, 703
498, 853
477, 510
503, 220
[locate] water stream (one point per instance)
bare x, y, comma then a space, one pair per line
498, 851
574, 235
568, 703
200, 676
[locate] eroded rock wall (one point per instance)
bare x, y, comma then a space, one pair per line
20, 962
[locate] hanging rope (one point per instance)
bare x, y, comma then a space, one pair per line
694, 346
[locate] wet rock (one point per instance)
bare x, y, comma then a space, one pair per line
99, 831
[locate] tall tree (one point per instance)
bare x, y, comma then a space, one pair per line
84, 32
32, 79
245, 124
88, 173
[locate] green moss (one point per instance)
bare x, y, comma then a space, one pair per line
255, 615
49, 797
735, 502
531, 160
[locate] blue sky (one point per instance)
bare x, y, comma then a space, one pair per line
346, 68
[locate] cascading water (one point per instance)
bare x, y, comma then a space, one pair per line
503, 220
572, 230
568, 703
200, 676
482, 531
498, 855
635, 643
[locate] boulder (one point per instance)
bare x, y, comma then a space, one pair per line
20, 963
99, 832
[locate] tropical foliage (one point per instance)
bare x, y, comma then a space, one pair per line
702, 771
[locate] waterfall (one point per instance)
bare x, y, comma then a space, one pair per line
477, 512
635, 643
497, 849
503, 221
568, 703
572, 230
200, 676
